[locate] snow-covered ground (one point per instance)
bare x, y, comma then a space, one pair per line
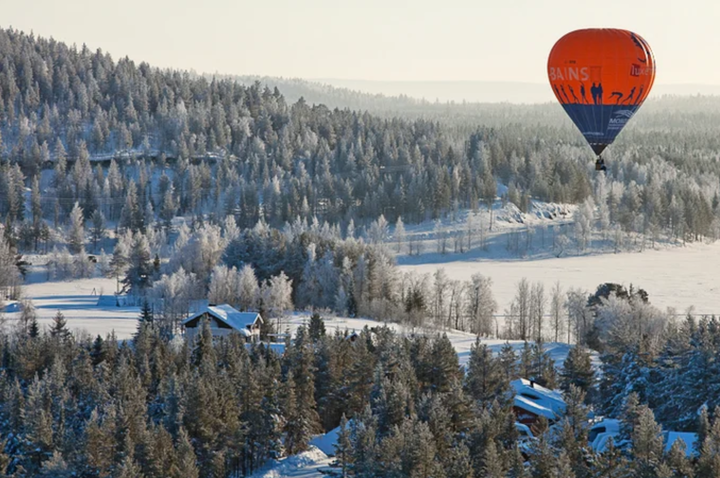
678, 277
674, 276
303, 465
77, 300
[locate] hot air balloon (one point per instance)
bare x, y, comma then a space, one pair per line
601, 76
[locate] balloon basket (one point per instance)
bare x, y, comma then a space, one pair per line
600, 164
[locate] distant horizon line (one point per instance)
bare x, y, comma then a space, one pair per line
321, 79
460, 81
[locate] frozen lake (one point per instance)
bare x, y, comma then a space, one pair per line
678, 277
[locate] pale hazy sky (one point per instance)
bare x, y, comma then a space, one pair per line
499, 40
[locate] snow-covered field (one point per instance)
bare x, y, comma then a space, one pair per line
677, 277
674, 276
77, 300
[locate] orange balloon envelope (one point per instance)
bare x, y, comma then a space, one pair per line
601, 76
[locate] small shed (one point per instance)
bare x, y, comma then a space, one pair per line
224, 320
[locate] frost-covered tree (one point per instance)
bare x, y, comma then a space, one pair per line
173, 295
130, 215
248, 290
230, 229
584, 218
557, 309
441, 284
379, 231
399, 234
441, 237
537, 311
578, 315
647, 444
200, 252
9, 273
168, 209
223, 285
83, 266
521, 318
76, 230
481, 305
276, 294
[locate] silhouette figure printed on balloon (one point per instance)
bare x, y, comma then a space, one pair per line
630, 97
562, 88
640, 94
572, 92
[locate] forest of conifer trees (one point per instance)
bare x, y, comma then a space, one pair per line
77, 406
185, 188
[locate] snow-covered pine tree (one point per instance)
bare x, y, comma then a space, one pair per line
187, 462
647, 444
444, 364
55, 467
99, 446
485, 380
139, 272
577, 370
316, 327
97, 232
493, 466
343, 451
508, 361
59, 330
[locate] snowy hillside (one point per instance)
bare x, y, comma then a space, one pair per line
500, 233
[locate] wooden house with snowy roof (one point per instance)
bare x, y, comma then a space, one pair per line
225, 320
531, 401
